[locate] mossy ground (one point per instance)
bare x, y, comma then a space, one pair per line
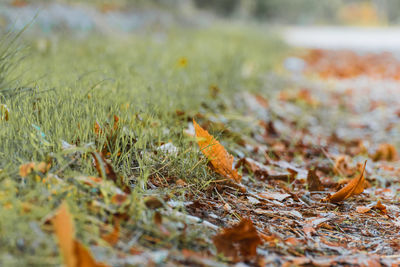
155, 83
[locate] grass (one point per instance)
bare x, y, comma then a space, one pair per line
141, 79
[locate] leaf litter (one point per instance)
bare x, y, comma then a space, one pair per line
301, 191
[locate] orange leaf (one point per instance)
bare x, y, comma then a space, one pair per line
74, 253
65, 232
238, 242
26, 169
380, 207
363, 209
219, 158
354, 187
385, 152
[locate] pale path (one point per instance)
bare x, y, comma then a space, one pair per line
352, 38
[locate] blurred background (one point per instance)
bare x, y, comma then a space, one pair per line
128, 15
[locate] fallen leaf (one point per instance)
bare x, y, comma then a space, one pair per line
220, 159
238, 242
153, 203
314, 184
19, 3
118, 199
342, 167
26, 169
113, 237
158, 221
363, 209
73, 252
385, 152
251, 166
354, 187
274, 195
180, 183
379, 206
105, 170
4, 112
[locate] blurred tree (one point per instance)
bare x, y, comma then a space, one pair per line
221, 7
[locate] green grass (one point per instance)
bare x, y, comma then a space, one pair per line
72, 84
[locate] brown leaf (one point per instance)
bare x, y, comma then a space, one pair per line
153, 203
4, 112
73, 252
118, 199
259, 170
105, 170
342, 167
113, 237
274, 195
314, 184
379, 206
219, 158
354, 187
158, 221
385, 152
238, 242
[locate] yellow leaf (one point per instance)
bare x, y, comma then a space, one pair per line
354, 187
74, 253
219, 158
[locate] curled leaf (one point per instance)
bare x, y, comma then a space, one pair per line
219, 158
354, 187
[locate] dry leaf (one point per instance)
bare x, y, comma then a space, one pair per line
363, 209
153, 203
26, 169
113, 237
385, 152
259, 170
342, 167
379, 206
73, 252
105, 170
238, 242
354, 187
118, 199
274, 195
220, 159
65, 232
4, 112
314, 184
157, 218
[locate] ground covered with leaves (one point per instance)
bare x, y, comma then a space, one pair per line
197, 148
